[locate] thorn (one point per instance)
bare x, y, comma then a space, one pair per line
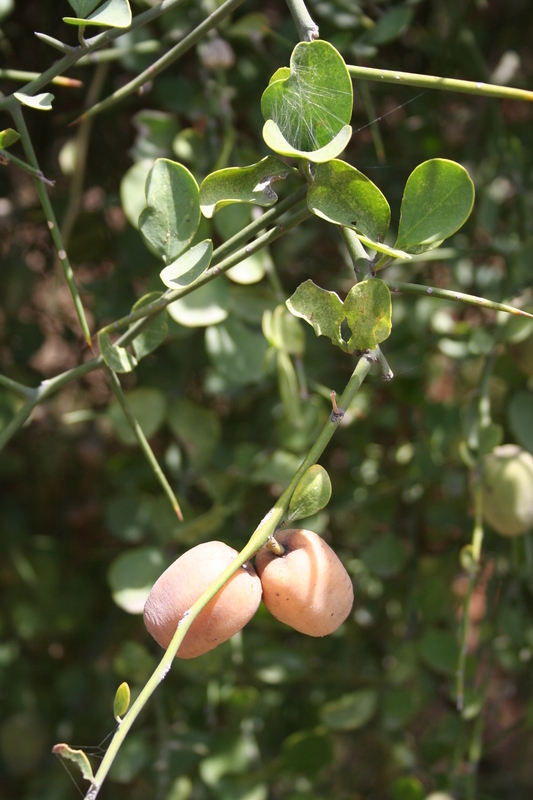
337, 414
178, 511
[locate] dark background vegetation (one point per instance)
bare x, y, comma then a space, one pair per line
368, 712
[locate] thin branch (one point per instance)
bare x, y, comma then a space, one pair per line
305, 25
458, 297
23, 75
6, 156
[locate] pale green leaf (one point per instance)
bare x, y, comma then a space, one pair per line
312, 493
251, 184
117, 358
152, 336
122, 701
350, 711
368, 311
83, 7
40, 102
321, 309
131, 576
112, 14
207, 305
188, 267
8, 137
147, 404
78, 757
275, 139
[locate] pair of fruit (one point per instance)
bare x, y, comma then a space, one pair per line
307, 588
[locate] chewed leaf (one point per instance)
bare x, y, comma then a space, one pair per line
437, 201
321, 309
117, 358
343, 195
112, 14
251, 184
152, 336
173, 210
79, 758
276, 141
122, 701
313, 104
188, 267
368, 311
8, 137
312, 493
40, 102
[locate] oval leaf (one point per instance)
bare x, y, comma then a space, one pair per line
437, 201
207, 305
122, 701
173, 210
40, 102
148, 405
132, 190
251, 184
117, 358
152, 336
112, 14
368, 310
323, 310
313, 104
351, 711
343, 195
236, 351
311, 495
189, 267
8, 137
276, 141
131, 576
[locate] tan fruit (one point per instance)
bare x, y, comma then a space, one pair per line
507, 476
184, 582
308, 587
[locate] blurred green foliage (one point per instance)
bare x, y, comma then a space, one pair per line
370, 711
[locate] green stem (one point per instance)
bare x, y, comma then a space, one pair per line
41, 393
162, 63
116, 53
23, 75
458, 297
15, 386
143, 442
213, 272
263, 532
434, 82
356, 250
306, 27
52, 222
5, 155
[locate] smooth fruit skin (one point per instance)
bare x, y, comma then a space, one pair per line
308, 587
507, 479
184, 582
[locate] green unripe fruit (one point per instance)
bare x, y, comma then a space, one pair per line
507, 477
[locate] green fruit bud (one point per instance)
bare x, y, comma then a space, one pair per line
507, 476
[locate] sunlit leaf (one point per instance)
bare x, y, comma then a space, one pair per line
122, 701
207, 305
112, 14
78, 757
131, 576
251, 184
312, 493
321, 309
367, 308
40, 102
152, 336
8, 137
117, 358
188, 267
83, 7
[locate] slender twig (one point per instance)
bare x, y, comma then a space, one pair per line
23, 75
263, 532
458, 297
52, 222
357, 252
116, 53
6, 156
15, 386
306, 27
434, 82
162, 63
143, 441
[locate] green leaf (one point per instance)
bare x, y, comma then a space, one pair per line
288, 387
312, 493
40, 102
389, 26
307, 752
83, 7
207, 305
306, 110
173, 213
343, 195
8, 137
276, 141
122, 701
251, 184
520, 416
131, 576
385, 556
236, 351
78, 757
152, 336
188, 267
112, 14
197, 428
132, 190
368, 310
321, 309
283, 331
351, 711
439, 650
437, 201
117, 358
148, 405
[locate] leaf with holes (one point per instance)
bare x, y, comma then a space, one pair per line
308, 110
251, 184
40, 102
173, 209
8, 137
321, 309
368, 311
188, 267
343, 195
112, 14
437, 201
117, 358
152, 336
